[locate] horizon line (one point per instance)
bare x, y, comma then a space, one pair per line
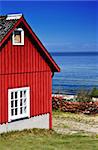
73, 51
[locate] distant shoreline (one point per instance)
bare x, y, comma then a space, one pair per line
65, 92
71, 91
74, 53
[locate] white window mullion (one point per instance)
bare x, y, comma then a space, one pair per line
28, 102
9, 106
18, 103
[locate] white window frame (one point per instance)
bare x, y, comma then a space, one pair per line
22, 37
23, 115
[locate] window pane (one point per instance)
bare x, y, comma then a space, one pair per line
21, 110
16, 103
11, 95
17, 36
25, 93
16, 111
12, 112
20, 93
12, 103
25, 109
21, 102
16, 94
25, 101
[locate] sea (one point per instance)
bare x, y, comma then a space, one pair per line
79, 71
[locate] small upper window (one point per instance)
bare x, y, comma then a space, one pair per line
18, 37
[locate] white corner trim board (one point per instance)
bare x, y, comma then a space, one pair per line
41, 121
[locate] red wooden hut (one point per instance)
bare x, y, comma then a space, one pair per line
26, 70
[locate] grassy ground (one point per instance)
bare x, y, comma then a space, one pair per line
70, 123
46, 140
36, 139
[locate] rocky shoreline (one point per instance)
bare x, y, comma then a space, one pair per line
70, 96
65, 103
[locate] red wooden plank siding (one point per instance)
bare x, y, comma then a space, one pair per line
22, 66
39, 104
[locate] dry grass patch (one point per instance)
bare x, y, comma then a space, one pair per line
89, 119
70, 123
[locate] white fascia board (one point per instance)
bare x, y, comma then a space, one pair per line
13, 16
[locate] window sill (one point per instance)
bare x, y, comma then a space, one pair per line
18, 119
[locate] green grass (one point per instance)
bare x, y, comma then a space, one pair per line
66, 126
37, 139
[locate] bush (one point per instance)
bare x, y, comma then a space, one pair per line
94, 92
84, 96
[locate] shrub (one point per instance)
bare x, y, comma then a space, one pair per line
84, 96
94, 92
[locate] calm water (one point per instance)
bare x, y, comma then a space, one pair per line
78, 71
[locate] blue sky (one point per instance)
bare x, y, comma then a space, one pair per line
60, 25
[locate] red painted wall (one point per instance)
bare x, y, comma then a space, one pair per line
22, 66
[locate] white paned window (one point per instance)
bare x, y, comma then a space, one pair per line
18, 37
19, 103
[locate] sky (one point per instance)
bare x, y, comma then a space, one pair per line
60, 25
